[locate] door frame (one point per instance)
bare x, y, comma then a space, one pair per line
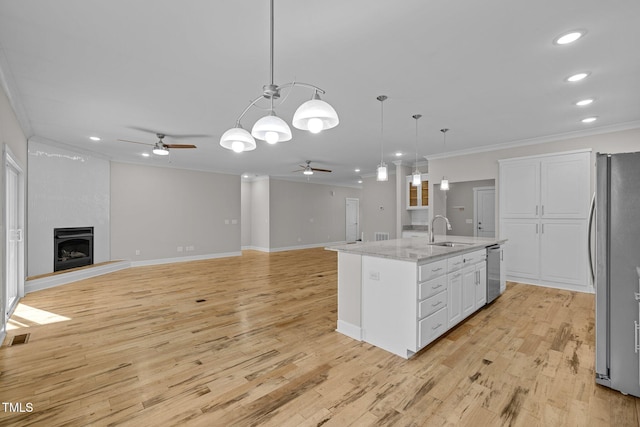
346, 210
10, 161
475, 209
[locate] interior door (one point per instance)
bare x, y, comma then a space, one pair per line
485, 212
352, 214
14, 234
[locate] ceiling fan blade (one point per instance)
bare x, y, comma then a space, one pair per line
320, 170
168, 135
180, 146
299, 170
135, 142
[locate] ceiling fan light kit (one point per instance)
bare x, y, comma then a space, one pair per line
314, 115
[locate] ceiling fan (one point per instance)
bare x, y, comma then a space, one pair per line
308, 170
160, 148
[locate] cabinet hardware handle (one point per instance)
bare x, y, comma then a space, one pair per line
436, 287
437, 269
536, 228
542, 209
456, 275
437, 326
536, 209
542, 228
436, 304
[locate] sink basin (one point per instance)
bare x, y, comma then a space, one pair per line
450, 244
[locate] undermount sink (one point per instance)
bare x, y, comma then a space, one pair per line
450, 244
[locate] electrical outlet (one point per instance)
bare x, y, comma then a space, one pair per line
234, 221
179, 249
137, 251
226, 221
374, 275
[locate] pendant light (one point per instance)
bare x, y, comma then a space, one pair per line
382, 174
417, 176
444, 184
314, 115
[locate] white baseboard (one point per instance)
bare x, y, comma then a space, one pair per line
73, 276
556, 285
311, 246
352, 331
184, 259
255, 248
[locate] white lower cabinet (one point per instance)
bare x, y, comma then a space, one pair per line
432, 327
454, 301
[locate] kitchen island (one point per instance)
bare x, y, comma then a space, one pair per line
402, 294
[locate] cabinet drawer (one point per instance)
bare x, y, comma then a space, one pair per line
432, 304
432, 270
454, 263
432, 327
432, 287
474, 257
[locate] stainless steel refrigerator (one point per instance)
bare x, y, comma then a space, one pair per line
616, 272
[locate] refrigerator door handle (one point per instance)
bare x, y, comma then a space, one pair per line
635, 335
592, 211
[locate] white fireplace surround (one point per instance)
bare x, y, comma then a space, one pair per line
65, 189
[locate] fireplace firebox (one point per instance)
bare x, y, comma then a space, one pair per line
72, 247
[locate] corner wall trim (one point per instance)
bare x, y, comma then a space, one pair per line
73, 276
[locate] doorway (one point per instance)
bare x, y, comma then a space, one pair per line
352, 222
484, 213
14, 233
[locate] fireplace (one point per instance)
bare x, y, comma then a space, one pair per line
72, 247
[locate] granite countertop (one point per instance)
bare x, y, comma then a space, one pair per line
417, 249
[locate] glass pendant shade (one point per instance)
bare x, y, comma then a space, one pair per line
160, 150
444, 184
238, 140
272, 129
315, 116
382, 172
417, 178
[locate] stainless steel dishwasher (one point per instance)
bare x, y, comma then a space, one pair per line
494, 278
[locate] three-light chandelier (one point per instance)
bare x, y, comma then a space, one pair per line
314, 115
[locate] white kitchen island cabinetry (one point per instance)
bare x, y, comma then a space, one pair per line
410, 292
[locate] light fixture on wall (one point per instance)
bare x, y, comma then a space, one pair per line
382, 174
444, 184
314, 115
416, 179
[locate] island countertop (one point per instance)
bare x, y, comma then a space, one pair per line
417, 249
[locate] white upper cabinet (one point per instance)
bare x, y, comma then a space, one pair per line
545, 187
418, 196
565, 186
520, 189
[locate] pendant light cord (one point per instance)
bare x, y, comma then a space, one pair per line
271, 42
381, 98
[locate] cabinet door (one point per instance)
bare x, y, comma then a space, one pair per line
412, 194
522, 257
454, 302
563, 251
468, 291
424, 193
565, 186
481, 285
519, 189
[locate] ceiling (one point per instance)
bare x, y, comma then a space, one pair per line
487, 70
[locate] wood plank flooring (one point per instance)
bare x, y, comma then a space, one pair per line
136, 348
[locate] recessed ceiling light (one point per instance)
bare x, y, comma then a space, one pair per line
245, 176
398, 154
584, 102
94, 138
589, 120
145, 154
359, 181
357, 170
569, 37
577, 77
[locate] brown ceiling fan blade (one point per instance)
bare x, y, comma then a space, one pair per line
299, 170
135, 142
180, 146
320, 170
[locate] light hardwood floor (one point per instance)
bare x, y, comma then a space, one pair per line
135, 348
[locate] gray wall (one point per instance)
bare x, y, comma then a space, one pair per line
378, 207
245, 214
460, 207
307, 214
260, 214
156, 210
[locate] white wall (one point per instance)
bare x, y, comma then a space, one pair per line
65, 189
13, 138
157, 210
484, 165
260, 214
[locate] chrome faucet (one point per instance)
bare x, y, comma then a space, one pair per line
431, 236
